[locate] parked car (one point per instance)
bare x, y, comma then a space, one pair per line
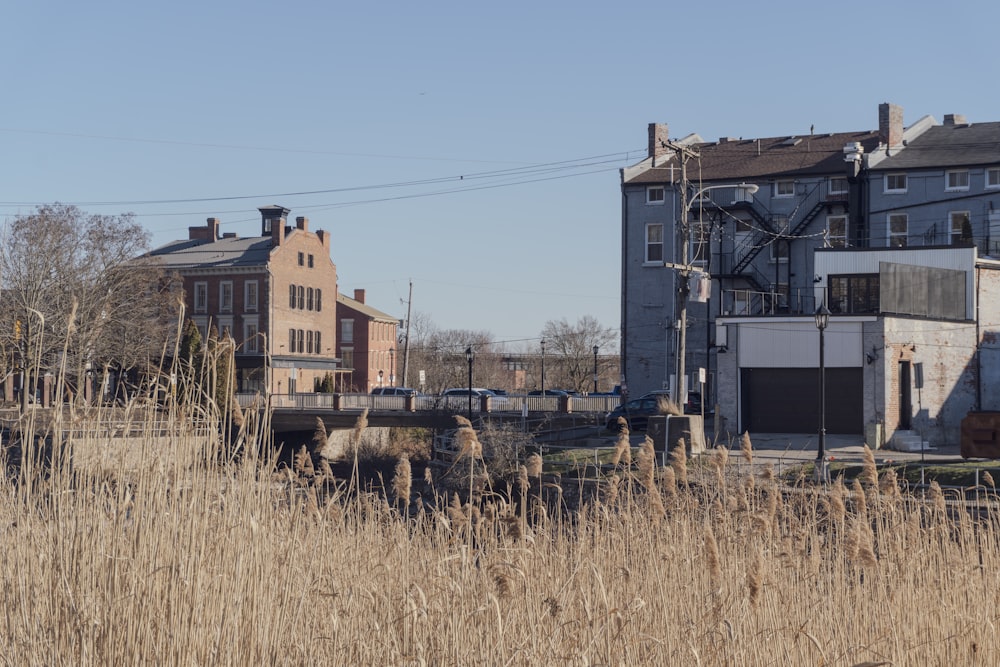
456, 395
636, 413
693, 404
548, 392
393, 391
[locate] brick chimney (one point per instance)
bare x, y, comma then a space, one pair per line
302, 223
658, 135
359, 295
890, 124
272, 223
210, 232
324, 238
955, 119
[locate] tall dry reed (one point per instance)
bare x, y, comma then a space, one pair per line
179, 556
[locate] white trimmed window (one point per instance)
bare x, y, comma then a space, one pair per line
957, 180
655, 194
201, 297
784, 188
895, 183
779, 250
654, 242
838, 185
309, 298
226, 296
225, 326
836, 231
347, 331
250, 298
701, 234
961, 227
347, 357
898, 230
251, 342
309, 341
993, 177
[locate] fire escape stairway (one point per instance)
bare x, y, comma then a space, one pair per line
755, 241
811, 215
765, 231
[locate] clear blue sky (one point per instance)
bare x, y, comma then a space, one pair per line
179, 111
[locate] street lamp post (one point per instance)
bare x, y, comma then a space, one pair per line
596, 350
469, 357
380, 373
38, 359
392, 367
543, 366
822, 321
685, 269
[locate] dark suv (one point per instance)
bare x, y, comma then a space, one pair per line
636, 412
694, 407
393, 391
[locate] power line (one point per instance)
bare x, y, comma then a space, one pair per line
512, 173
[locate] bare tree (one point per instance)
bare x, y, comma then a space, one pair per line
569, 350
73, 296
440, 353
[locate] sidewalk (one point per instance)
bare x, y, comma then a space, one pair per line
801, 447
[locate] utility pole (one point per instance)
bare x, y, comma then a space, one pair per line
406, 341
683, 273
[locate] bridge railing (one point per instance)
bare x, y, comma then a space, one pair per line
431, 403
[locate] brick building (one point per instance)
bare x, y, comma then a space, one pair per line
367, 344
275, 293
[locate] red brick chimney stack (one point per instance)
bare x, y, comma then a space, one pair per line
890, 125
658, 136
210, 232
359, 295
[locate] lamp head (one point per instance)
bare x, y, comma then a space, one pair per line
822, 317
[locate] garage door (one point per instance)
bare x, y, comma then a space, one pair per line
786, 400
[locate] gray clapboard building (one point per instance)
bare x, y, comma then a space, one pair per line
892, 228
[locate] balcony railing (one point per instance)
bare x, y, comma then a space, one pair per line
745, 302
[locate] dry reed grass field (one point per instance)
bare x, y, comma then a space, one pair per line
200, 557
